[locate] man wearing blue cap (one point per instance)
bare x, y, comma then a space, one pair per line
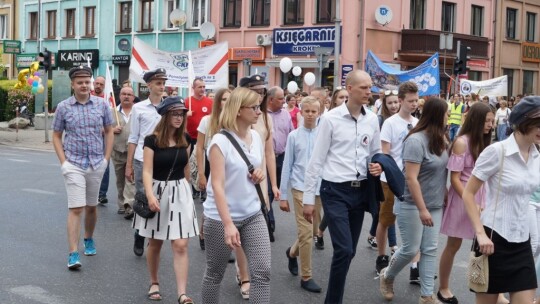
144, 119
84, 154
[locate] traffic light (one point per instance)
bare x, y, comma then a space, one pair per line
45, 59
460, 64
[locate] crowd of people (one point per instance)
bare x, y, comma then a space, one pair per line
329, 157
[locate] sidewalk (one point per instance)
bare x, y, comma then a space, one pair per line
26, 138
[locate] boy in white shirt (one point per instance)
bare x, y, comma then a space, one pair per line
297, 154
393, 132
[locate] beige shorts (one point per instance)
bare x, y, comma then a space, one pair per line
82, 185
386, 213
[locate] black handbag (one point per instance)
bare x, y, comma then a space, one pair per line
140, 205
257, 186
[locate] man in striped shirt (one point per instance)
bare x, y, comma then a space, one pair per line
84, 154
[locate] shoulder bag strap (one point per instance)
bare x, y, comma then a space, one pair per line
244, 157
169, 176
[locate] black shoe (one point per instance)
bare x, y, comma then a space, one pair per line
381, 262
129, 214
272, 237
138, 246
273, 226
372, 241
293, 263
102, 200
414, 276
310, 285
451, 300
319, 242
203, 196
201, 243
232, 259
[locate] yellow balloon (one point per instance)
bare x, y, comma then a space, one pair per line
22, 79
40, 89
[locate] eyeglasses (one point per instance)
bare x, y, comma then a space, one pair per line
178, 114
409, 126
390, 92
254, 108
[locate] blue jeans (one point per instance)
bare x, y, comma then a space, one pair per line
417, 237
344, 207
104, 187
501, 132
453, 131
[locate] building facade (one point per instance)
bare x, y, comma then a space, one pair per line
102, 31
517, 45
8, 31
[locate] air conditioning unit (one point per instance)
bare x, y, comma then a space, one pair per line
263, 39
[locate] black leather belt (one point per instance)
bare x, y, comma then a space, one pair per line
353, 184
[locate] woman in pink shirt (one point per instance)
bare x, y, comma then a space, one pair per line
293, 109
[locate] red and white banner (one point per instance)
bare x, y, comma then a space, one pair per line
210, 63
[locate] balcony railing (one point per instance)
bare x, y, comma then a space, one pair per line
427, 41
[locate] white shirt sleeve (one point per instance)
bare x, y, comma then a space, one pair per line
318, 158
288, 162
135, 127
488, 163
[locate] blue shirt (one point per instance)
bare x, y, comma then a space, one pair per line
297, 154
83, 126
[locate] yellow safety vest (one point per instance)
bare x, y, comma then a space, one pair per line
455, 114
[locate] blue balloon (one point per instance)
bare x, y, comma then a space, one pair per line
35, 84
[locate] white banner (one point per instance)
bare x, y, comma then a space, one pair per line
491, 87
209, 63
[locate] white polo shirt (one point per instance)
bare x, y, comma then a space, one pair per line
342, 149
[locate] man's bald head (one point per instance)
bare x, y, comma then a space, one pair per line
359, 87
356, 76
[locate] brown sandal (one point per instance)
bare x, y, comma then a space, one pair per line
154, 296
187, 300
244, 292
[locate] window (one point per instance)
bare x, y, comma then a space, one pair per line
70, 22
510, 74
477, 21
4, 30
170, 5
294, 11
33, 25
531, 24
474, 75
89, 15
147, 15
326, 11
198, 13
125, 17
448, 17
528, 82
260, 12
511, 15
418, 11
233, 13
51, 24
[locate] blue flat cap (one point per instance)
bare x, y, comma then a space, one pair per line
527, 108
171, 103
253, 82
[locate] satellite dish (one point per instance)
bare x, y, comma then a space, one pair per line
208, 30
383, 15
123, 44
178, 17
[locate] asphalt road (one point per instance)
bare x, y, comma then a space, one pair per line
33, 251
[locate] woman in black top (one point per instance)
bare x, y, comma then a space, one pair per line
165, 168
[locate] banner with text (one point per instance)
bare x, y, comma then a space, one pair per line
491, 87
426, 75
210, 63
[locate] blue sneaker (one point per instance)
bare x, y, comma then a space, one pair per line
74, 261
89, 247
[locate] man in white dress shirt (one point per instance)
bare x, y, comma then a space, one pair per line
348, 137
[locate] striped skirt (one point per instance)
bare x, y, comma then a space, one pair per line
177, 218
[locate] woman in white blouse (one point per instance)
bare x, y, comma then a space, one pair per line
502, 230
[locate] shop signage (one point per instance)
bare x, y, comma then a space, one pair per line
530, 52
12, 46
477, 63
241, 53
121, 60
72, 58
345, 70
302, 40
25, 60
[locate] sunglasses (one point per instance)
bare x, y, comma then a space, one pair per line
390, 92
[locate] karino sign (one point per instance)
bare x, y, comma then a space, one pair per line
73, 58
302, 40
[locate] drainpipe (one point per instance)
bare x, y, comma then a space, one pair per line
361, 36
337, 46
57, 30
492, 72
13, 18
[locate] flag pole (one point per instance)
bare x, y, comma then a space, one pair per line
110, 93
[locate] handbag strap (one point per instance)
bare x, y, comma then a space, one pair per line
244, 157
169, 175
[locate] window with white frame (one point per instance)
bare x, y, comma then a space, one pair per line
4, 30
197, 13
168, 7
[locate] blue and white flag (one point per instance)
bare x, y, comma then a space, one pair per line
426, 75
